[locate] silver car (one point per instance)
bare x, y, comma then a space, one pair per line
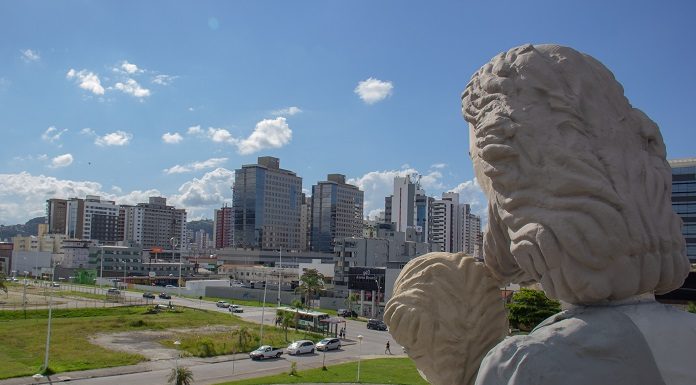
329, 344
301, 347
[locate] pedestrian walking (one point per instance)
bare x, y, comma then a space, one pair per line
386, 350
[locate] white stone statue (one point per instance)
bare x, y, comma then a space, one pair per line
579, 200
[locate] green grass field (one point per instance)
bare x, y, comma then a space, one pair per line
23, 340
376, 371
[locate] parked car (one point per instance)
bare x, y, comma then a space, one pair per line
235, 309
265, 351
169, 286
55, 284
347, 313
376, 324
113, 291
329, 344
301, 347
222, 304
149, 295
165, 296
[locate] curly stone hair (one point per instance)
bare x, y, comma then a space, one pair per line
578, 185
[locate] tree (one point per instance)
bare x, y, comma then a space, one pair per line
297, 304
529, 307
181, 376
286, 320
351, 300
244, 337
2, 282
311, 283
691, 307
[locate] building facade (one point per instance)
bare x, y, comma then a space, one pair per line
267, 202
223, 230
154, 224
337, 209
56, 215
684, 200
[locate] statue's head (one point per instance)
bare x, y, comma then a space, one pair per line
578, 185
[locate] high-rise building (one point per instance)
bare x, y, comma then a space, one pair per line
471, 228
305, 222
56, 212
403, 203
684, 200
91, 218
446, 214
223, 227
267, 202
424, 213
337, 209
154, 224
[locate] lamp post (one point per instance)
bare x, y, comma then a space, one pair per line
360, 338
24, 295
48, 333
280, 274
101, 266
263, 307
125, 266
178, 354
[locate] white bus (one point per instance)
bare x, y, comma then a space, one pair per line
307, 319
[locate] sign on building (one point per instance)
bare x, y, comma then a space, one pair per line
366, 278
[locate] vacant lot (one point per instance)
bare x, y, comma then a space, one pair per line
99, 337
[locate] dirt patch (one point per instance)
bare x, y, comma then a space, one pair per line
146, 342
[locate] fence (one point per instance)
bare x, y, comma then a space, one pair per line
36, 295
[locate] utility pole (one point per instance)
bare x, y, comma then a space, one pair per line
280, 274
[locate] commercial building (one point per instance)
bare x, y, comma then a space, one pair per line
6, 257
267, 202
56, 215
89, 218
403, 203
684, 200
154, 224
223, 227
337, 209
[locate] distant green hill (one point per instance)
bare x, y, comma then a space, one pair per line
29, 228
203, 224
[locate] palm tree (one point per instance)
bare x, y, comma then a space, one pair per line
181, 376
297, 304
311, 283
286, 321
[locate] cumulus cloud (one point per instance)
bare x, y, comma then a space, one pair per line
164, 80
61, 161
268, 133
439, 166
170, 138
288, 111
30, 56
220, 135
195, 166
373, 90
194, 130
23, 195
129, 68
132, 88
87, 81
118, 138
88, 131
52, 134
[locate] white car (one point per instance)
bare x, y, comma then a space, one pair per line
222, 304
329, 344
301, 347
235, 309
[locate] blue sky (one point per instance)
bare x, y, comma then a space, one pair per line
128, 99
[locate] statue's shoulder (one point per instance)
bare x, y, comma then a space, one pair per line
581, 346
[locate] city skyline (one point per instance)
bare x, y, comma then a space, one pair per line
162, 100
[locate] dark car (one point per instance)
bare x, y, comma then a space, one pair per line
376, 324
347, 313
165, 296
148, 295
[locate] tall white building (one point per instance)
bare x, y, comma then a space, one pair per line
403, 203
154, 224
92, 219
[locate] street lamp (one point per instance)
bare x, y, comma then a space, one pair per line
178, 354
174, 243
24, 295
263, 307
280, 267
360, 338
50, 308
125, 266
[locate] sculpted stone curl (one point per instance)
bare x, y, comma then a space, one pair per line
578, 184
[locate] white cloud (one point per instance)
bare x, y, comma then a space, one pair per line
288, 111
88, 131
373, 90
164, 80
30, 56
196, 166
129, 68
52, 134
118, 138
61, 161
194, 130
23, 196
439, 165
379, 184
87, 80
268, 133
170, 138
132, 87
220, 135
